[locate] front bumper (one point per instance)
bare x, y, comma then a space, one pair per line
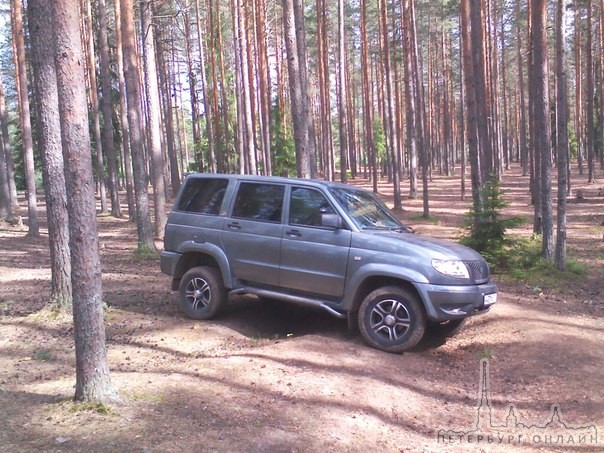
455, 302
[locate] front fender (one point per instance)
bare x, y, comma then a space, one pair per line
376, 270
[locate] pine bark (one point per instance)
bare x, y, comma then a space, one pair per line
154, 115
94, 102
479, 77
562, 130
123, 113
522, 132
6, 209
590, 130
107, 109
579, 129
7, 150
411, 114
540, 94
390, 107
471, 109
49, 140
93, 382
342, 91
298, 94
246, 90
367, 98
24, 117
133, 92
168, 107
204, 91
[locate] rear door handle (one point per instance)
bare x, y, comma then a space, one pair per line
293, 233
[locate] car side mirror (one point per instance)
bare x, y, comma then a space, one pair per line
331, 220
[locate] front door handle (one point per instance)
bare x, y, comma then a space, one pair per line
234, 226
293, 233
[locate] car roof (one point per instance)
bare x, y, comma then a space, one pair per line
272, 179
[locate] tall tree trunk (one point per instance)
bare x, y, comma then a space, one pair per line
298, 91
479, 69
420, 122
223, 153
590, 130
153, 108
248, 121
601, 86
24, 117
6, 211
471, 110
94, 102
168, 115
240, 135
107, 109
204, 91
49, 139
342, 90
248, 19
325, 142
542, 129
391, 114
579, 128
93, 382
6, 150
6, 208
562, 130
367, 101
264, 84
524, 159
214, 28
411, 114
132, 79
504, 89
193, 93
123, 113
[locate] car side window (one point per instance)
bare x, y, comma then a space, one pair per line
306, 206
203, 195
259, 201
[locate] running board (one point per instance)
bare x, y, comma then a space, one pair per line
300, 300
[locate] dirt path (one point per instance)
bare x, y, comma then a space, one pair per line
266, 377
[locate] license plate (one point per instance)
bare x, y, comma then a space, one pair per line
490, 299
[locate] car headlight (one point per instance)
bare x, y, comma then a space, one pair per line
451, 268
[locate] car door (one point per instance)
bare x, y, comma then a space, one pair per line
252, 233
313, 258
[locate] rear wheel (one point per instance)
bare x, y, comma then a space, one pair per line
202, 293
392, 319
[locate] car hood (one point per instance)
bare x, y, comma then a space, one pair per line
416, 245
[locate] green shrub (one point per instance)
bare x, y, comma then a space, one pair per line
486, 229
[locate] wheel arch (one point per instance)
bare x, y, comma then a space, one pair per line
374, 282
202, 256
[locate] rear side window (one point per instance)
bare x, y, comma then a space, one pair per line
203, 195
258, 201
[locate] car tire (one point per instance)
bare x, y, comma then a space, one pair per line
202, 293
445, 329
392, 319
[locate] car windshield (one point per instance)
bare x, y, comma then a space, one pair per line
366, 210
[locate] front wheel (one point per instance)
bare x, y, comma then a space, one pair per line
202, 293
392, 319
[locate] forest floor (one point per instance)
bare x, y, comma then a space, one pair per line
266, 377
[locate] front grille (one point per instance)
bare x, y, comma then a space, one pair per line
479, 270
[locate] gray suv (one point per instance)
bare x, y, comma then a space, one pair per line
320, 244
